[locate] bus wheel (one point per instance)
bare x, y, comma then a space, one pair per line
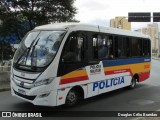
133, 83
72, 98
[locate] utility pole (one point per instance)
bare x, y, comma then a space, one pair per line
120, 23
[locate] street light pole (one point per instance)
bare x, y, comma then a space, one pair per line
119, 23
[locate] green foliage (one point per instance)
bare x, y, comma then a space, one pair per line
21, 16
6, 51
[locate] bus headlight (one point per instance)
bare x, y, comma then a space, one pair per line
43, 82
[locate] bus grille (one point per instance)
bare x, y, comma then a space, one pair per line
25, 96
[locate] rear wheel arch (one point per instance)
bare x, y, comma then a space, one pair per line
136, 76
134, 79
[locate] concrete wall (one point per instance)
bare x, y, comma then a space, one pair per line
4, 80
5, 68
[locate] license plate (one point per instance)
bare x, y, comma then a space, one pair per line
21, 92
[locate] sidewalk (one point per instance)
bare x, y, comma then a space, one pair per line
155, 58
4, 81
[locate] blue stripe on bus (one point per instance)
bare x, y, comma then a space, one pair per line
108, 63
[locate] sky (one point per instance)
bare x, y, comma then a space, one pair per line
100, 12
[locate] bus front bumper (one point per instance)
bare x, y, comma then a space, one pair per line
36, 95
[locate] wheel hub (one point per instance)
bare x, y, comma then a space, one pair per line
71, 97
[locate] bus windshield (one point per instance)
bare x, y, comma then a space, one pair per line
38, 49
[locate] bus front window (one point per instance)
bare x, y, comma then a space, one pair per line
38, 49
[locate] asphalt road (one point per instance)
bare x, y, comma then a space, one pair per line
145, 97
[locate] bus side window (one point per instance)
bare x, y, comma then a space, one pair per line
135, 47
95, 47
73, 51
100, 47
149, 48
140, 47
121, 47
146, 47
116, 47
110, 48
128, 47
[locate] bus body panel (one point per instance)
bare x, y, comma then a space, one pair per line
111, 84
26, 75
102, 79
34, 94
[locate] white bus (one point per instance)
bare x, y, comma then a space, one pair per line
63, 63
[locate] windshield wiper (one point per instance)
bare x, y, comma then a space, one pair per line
33, 59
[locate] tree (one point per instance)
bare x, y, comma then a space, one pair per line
6, 52
21, 16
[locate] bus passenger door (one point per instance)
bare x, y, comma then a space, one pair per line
101, 50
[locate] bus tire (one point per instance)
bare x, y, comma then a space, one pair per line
133, 83
72, 98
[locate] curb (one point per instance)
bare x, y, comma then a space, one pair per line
4, 81
5, 89
156, 58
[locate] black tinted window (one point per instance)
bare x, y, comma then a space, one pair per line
102, 46
73, 51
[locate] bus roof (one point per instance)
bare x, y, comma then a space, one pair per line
88, 27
